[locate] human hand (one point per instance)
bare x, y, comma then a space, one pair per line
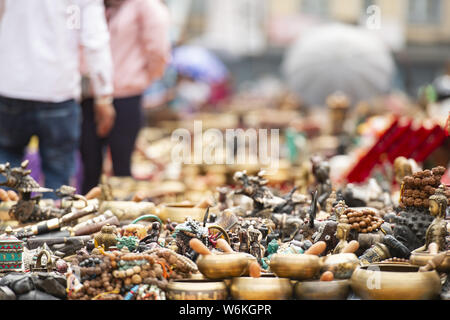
105, 115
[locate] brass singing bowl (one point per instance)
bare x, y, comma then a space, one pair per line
342, 264
322, 290
178, 212
422, 258
395, 282
263, 288
193, 289
222, 266
295, 266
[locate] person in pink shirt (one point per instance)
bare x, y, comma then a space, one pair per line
140, 47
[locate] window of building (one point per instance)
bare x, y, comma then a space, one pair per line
425, 11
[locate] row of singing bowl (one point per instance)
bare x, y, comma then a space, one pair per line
241, 288
305, 267
395, 282
267, 287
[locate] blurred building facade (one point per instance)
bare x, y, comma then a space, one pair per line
418, 31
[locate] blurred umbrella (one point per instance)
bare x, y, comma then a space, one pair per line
199, 63
338, 58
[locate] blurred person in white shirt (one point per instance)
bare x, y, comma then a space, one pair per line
40, 46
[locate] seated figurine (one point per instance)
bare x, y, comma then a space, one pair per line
343, 229
437, 231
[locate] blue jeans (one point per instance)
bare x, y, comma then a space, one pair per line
57, 125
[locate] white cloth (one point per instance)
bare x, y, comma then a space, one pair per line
40, 42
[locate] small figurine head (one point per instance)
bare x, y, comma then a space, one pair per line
438, 203
273, 246
4, 167
108, 229
156, 226
239, 175
339, 208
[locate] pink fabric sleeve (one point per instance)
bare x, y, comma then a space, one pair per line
94, 38
155, 24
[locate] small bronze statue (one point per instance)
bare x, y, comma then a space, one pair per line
272, 248
291, 202
186, 231
222, 199
330, 203
151, 240
437, 231
243, 240
342, 232
68, 193
27, 209
321, 171
107, 237
289, 226
256, 249
255, 188
338, 105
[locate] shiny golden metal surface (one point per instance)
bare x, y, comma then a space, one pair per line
395, 282
197, 290
178, 212
422, 258
222, 266
342, 265
263, 288
322, 290
295, 266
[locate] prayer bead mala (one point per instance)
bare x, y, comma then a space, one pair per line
364, 221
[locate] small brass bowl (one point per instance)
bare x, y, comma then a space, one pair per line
322, 290
178, 212
196, 290
295, 266
422, 258
263, 288
395, 282
222, 266
342, 265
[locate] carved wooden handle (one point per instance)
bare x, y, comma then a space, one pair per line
224, 246
93, 193
316, 248
254, 269
199, 247
93, 228
351, 247
327, 276
433, 263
